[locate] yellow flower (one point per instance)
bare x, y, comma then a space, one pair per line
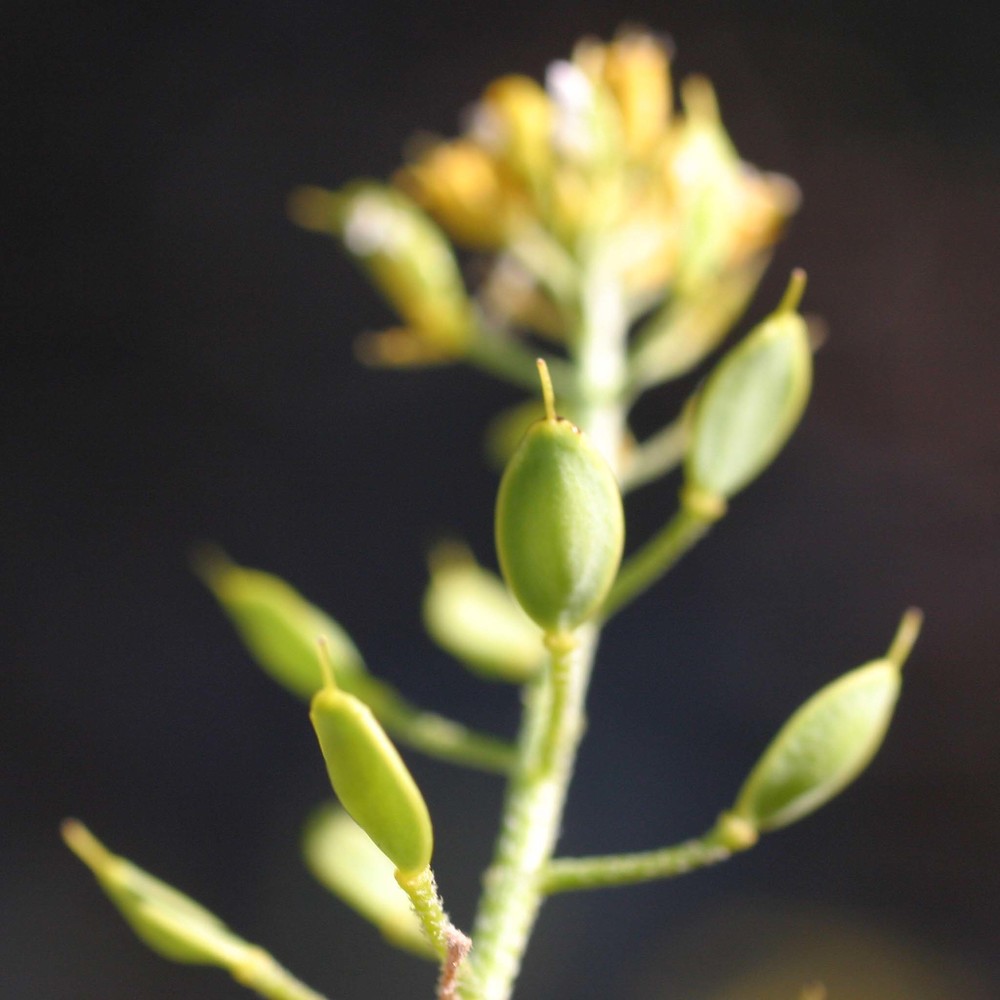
513, 121
635, 69
467, 192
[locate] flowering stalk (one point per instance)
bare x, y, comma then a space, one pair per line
624, 239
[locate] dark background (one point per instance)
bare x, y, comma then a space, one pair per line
177, 367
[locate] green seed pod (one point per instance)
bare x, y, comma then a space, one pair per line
344, 859
371, 780
168, 922
470, 613
827, 742
560, 526
279, 626
751, 402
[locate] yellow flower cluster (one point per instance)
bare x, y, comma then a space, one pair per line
594, 165
599, 153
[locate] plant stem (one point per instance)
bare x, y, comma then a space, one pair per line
657, 556
606, 871
426, 902
553, 719
259, 972
429, 732
550, 732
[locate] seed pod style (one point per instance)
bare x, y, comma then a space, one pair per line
371, 780
751, 402
560, 526
827, 742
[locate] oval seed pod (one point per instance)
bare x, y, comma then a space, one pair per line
278, 625
827, 742
752, 401
470, 613
560, 527
371, 780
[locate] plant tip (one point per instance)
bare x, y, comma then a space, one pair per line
906, 635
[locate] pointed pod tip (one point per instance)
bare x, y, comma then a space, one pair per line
209, 563
906, 636
84, 844
793, 293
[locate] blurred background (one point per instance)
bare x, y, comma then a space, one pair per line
178, 368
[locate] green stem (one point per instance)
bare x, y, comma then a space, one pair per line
427, 904
658, 555
727, 837
258, 971
504, 357
536, 794
429, 732
656, 456
553, 719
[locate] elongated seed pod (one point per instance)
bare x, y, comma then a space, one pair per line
279, 626
751, 402
822, 748
371, 780
167, 921
560, 527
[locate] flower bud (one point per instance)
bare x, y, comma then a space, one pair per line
371, 780
344, 859
827, 742
278, 625
560, 526
470, 613
404, 252
751, 402
464, 188
513, 121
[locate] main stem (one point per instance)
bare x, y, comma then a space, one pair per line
554, 704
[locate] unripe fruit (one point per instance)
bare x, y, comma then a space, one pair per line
371, 780
827, 742
751, 402
170, 923
560, 527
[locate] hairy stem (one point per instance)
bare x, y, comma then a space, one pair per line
554, 709
536, 793
727, 837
